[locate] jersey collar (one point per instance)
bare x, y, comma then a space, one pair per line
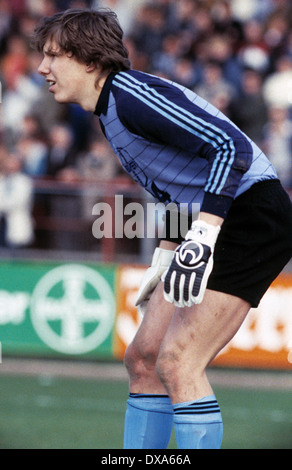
102, 103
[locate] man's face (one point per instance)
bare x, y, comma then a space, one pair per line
64, 73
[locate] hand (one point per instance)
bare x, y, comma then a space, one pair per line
160, 263
186, 279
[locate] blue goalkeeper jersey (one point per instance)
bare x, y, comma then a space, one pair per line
176, 145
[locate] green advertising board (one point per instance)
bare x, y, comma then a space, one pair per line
57, 309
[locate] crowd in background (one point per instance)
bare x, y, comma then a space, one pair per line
235, 53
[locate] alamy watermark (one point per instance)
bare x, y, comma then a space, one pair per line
136, 220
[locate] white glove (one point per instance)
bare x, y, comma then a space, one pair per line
160, 263
186, 279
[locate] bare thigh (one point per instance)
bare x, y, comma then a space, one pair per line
141, 355
194, 337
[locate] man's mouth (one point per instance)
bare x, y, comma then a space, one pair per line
51, 84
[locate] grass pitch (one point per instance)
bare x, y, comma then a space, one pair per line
56, 413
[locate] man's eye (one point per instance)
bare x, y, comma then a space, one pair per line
52, 54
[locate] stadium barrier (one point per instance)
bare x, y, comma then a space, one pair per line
65, 216
84, 311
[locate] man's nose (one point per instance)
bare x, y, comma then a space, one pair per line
44, 68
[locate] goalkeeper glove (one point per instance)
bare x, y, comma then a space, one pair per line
186, 279
160, 263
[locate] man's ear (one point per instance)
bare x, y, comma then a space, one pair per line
90, 68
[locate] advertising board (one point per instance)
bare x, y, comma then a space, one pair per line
57, 308
263, 341
80, 310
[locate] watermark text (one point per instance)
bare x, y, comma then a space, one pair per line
136, 220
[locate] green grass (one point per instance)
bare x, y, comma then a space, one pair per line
55, 413
256, 419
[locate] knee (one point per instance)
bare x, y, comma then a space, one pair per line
130, 357
168, 368
176, 369
138, 360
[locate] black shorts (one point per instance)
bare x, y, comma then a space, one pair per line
254, 244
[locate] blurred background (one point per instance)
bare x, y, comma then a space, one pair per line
66, 297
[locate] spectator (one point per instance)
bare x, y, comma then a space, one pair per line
7, 24
60, 153
184, 11
31, 127
277, 30
237, 54
15, 61
20, 92
32, 151
185, 72
219, 49
254, 52
99, 162
165, 59
31, 146
214, 87
16, 197
277, 86
149, 29
288, 46
246, 10
250, 97
278, 143
225, 22
125, 10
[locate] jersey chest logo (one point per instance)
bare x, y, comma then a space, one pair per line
138, 175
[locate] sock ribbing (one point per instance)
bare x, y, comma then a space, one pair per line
198, 424
196, 409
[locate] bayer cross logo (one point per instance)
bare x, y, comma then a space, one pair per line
72, 309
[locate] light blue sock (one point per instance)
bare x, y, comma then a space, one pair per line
198, 424
148, 421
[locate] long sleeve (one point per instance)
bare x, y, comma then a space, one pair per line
159, 111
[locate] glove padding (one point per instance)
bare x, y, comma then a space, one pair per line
160, 263
186, 279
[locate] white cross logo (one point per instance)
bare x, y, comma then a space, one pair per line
73, 309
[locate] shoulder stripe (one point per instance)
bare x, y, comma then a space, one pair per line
216, 137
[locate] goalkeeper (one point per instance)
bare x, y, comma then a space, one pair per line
199, 288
